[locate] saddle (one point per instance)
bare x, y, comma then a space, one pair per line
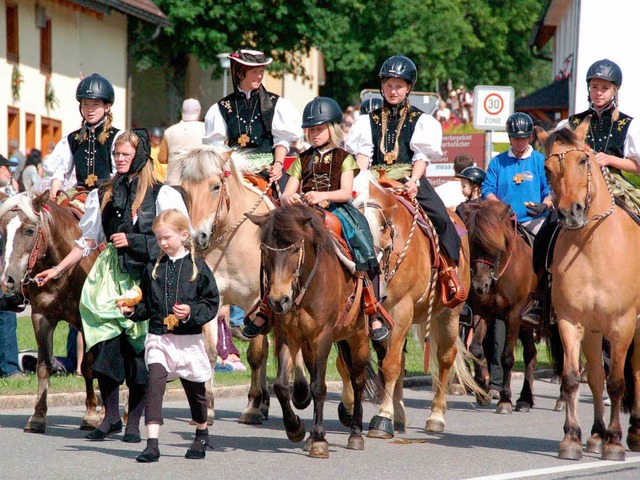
73, 200
261, 184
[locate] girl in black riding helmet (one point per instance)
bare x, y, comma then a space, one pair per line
88, 150
471, 179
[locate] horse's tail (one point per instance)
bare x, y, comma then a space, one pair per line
630, 382
556, 350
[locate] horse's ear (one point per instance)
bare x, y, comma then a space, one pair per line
582, 129
541, 134
257, 219
40, 201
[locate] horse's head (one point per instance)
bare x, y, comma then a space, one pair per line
490, 229
568, 165
291, 238
22, 225
206, 174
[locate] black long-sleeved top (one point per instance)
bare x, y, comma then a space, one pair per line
159, 295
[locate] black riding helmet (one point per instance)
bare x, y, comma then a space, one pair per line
321, 110
473, 174
95, 87
399, 66
369, 105
606, 70
519, 125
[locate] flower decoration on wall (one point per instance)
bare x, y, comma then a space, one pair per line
16, 82
50, 99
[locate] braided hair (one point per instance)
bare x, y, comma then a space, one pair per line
176, 220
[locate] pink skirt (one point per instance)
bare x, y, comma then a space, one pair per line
182, 356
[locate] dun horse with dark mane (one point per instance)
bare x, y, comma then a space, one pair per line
594, 292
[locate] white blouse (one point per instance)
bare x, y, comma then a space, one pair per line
285, 128
425, 143
91, 222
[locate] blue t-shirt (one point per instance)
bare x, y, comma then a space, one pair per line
515, 181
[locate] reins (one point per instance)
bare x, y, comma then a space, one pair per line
496, 263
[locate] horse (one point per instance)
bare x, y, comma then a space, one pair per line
594, 293
316, 302
218, 196
36, 235
412, 296
502, 277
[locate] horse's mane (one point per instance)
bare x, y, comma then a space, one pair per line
564, 136
288, 224
201, 163
489, 226
23, 202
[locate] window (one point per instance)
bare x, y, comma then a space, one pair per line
30, 130
45, 48
51, 132
13, 123
13, 45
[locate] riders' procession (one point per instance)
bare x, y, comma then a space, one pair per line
318, 229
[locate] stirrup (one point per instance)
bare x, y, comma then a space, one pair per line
452, 299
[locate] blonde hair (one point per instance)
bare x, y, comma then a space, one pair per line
336, 135
104, 135
146, 177
176, 220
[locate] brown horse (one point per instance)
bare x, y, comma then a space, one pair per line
315, 300
594, 291
412, 296
502, 277
218, 198
37, 234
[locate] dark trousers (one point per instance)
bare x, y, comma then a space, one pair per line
433, 206
156, 386
493, 347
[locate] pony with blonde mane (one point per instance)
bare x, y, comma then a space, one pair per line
594, 291
218, 197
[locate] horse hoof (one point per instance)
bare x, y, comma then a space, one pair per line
633, 440
594, 444
251, 418
90, 423
400, 428
570, 449
355, 442
523, 407
457, 389
264, 410
301, 397
298, 435
483, 400
434, 426
319, 449
307, 444
35, 427
344, 415
380, 427
504, 409
613, 452
561, 406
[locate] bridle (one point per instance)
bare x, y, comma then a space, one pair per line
295, 282
495, 265
587, 203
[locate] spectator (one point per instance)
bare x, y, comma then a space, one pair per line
466, 104
187, 133
451, 192
17, 158
155, 137
32, 172
8, 185
443, 114
454, 104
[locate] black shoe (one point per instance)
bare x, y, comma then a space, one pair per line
251, 330
99, 435
149, 455
197, 451
131, 438
379, 334
533, 316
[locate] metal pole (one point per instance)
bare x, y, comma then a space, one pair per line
488, 148
224, 84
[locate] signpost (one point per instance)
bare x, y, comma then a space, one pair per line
492, 106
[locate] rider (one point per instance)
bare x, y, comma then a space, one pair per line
517, 177
88, 150
260, 123
402, 139
471, 179
324, 175
369, 105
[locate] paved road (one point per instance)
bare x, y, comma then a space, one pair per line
477, 443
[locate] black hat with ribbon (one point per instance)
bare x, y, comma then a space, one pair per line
251, 58
143, 151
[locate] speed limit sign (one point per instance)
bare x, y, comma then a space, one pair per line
492, 106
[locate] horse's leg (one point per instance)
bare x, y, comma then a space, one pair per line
91, 419
571, 445
258, 396
210, 334
399, 412
507, 360
345, 407
613, 449
316, 357
43, 329
592, 348
301, 391
633, 434
444, 330
481, 372
359, 355
526, 401
292, 424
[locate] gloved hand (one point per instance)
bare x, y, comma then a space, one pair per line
535, 209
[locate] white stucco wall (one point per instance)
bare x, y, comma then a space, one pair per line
81, 45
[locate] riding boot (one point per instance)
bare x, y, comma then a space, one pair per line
532, 312
252, 330
373, 308
453, 290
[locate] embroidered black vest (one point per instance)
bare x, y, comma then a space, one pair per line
603, 134
244, 116
91, 157
404, 152
115, 220
322, 174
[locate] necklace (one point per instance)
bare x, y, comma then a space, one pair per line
390, 157
593, 138
171, 320
244, 139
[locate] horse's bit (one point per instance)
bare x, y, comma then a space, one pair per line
495, 265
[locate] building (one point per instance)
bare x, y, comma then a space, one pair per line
46, 47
